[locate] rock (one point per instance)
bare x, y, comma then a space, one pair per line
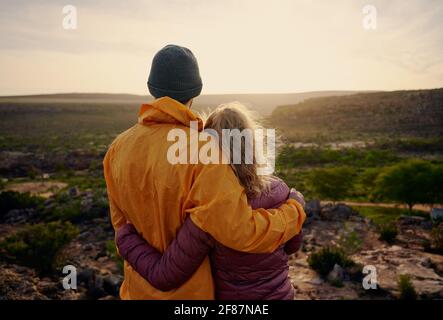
85, 275
84, 235
338, 212
88, 247
48, 288
19, 285
73, 192
111, 284
411, 220
19, 216
337, 274
427, 225
437, 214
93, 282
426, 262
313, 208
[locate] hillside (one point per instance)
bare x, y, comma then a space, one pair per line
417, 113
264, 104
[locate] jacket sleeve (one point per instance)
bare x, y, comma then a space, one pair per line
294, 244
176, 265
218, 205
117, 216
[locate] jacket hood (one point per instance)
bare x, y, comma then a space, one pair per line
167, 110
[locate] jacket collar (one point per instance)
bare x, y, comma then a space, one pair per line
167, 110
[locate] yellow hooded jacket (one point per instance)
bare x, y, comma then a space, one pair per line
156, 196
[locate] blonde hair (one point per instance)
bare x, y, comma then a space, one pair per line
231, 116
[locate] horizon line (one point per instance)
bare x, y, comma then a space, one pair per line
207, 94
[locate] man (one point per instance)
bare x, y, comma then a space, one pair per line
156, 196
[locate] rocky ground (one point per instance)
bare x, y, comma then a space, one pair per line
99, 270
326, 227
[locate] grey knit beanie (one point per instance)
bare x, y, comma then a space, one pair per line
174, 73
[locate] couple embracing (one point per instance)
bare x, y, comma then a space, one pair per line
196, 230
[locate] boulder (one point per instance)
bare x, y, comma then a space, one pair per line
111, 284
313, 208
437, 214
19, 216
337, 212
411, 220
337, 274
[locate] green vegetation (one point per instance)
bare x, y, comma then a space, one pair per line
350, 241
406, 288
38, 245
411, 182
323, 261
437, 239
381, 216
388, 232
55, 125
10, 200
76, 209
332, 183
290, 156
111, 251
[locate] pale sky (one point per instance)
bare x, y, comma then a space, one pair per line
243, 46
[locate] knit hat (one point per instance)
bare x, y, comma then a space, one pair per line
174, 73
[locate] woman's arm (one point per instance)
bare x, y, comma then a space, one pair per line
294, 244
176, 265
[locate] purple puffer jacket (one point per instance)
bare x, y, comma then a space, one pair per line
237, 275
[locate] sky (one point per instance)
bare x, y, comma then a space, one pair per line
243, 46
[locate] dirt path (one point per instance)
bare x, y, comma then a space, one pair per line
419, 207
42, 189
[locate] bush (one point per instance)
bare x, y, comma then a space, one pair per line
436, 242
388, 232
78, 209
37, 245
406, 288
323, 261
332, 183
350, 241
111, 251
10, 200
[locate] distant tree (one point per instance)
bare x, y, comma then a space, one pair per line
410, 182
436, 185
368, 181
332, 183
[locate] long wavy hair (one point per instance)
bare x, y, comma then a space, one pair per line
232, 116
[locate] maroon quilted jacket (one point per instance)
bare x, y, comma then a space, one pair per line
237, 275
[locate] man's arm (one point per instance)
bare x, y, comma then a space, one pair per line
218, 205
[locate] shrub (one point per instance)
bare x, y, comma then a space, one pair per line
111, 251
10, 200
332, 183
406, 288
323, 261
37, 245
436, 242
388, 232
77, 209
